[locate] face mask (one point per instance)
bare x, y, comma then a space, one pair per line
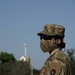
48, 45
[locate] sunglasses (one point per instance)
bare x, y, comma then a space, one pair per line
45, 37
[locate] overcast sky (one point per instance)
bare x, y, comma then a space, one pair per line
21, 20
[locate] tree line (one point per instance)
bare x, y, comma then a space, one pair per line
10, 66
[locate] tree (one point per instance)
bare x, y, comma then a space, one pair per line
36, 71
9, 65
72, 58
15, 68
6, 57
71, 53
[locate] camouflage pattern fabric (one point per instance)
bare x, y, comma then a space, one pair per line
52, 30
57, 64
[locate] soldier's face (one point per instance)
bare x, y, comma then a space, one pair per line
47, 43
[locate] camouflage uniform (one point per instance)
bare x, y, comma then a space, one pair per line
58, 63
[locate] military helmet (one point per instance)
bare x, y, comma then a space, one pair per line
52, 30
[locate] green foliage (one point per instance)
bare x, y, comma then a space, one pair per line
22, 68
6, 57
71, 53
36, 71
15, 68
72, 58
9, 65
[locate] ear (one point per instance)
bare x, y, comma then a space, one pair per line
58, 41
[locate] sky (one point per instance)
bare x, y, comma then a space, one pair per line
21, 20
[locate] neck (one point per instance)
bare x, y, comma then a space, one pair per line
51, 52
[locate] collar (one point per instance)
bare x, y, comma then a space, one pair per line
54, 51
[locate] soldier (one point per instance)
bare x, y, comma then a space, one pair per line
51, 40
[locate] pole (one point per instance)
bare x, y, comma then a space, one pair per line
25, 48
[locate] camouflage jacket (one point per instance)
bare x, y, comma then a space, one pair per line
57, 64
